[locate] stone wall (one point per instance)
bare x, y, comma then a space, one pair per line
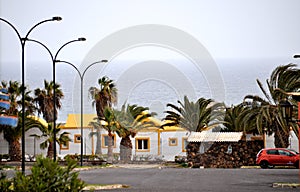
223, 154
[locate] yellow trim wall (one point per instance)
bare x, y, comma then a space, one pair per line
74, 122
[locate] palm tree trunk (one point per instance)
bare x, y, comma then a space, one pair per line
125, 149
50, 151
281, 139
98, 146
14, 150
110, 149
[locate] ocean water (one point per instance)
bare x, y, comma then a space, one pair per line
154, 83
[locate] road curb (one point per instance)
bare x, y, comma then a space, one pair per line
286, 185
104, 187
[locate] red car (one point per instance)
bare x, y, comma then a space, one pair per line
268, 158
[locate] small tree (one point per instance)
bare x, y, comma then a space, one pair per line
108, 122
131, 119
47, 132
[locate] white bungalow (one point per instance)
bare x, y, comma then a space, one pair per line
151, 143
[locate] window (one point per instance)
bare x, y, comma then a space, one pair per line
77, 138
184, 144
64, 147
272, 152
173, 142
105, 140
281, 152
142, 144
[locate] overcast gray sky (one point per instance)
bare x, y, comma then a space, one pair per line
230, 28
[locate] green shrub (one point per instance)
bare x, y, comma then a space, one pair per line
85, 157
72, 156
5, 184
48, 176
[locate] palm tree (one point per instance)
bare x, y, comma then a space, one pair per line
267, 111
130, 119
237, 119
108, 122
47, 133
13, 134
44, 100
204, 114
103, 97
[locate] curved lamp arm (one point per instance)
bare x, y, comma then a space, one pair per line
57, 18
51, 55
14, 28
102, 61
66, 62
22, 40
79, 39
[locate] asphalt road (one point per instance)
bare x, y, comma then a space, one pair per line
179, 179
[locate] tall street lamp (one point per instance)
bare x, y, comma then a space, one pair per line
54, 60
81, 75
23, 42
54, 94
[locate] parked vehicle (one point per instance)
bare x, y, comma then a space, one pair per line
270, 157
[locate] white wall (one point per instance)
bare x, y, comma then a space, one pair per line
153, 136
32, 144
75, 147
169, 152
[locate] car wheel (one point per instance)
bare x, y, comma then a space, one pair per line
265, 165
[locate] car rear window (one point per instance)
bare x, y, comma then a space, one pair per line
272, 152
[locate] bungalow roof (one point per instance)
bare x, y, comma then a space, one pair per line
42, 121
73, 121
208, 136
